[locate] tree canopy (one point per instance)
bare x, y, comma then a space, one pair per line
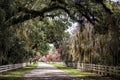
28, 26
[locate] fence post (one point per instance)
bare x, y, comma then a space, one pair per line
78, 65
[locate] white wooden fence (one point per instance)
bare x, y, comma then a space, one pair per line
99, 69
9, 67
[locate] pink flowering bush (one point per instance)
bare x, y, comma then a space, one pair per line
54, 56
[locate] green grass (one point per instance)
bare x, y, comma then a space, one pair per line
83, 75
72, 71
13, 75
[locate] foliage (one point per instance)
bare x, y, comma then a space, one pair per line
97, 41
46, 21
54, 56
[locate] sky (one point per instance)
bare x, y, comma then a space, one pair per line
72, 29
115, 0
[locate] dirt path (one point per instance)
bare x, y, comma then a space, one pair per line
47, 72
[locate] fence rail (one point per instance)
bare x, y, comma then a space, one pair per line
99, 69
9, 67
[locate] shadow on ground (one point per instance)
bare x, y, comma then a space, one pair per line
57, 78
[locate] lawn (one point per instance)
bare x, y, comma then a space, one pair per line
82, 74
73, 72
13, 75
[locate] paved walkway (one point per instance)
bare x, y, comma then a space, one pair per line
48, 72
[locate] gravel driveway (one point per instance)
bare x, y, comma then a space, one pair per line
47, 72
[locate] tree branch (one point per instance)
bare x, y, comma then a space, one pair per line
105, 7
86, 13
30, 14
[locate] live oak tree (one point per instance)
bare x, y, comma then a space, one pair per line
104, 16
102, 47
18, 41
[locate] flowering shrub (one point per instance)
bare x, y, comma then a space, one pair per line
54, 56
